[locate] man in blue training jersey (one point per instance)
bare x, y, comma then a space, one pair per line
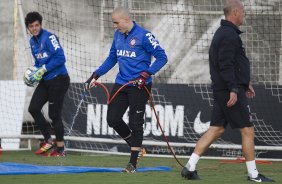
132, 49
53, 78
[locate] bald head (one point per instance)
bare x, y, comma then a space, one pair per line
230, 5
121, 12
234, 12
122, 20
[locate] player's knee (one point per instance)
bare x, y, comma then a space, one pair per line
247, 131
137, 127
33, 110
220, 131
113, 121
216, 131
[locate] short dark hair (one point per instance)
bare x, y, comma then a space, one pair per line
32, 17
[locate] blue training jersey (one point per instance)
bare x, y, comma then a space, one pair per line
47, 50
133, 53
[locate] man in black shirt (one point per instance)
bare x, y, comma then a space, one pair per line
230, 75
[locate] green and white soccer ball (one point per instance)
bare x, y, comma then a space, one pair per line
28, 76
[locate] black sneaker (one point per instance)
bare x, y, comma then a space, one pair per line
260, 178
189, 175
129, 168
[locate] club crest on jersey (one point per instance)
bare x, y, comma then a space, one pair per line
132, 42
126, 53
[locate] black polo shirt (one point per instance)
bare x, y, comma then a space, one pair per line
229, 65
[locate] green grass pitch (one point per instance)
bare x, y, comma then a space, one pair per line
211, 171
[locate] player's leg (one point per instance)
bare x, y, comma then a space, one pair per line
189, 171
242, 110
213, 133
57, 89
248, 148
248, 145
215, 130
137, 106
239, 117
39, 98
116, 110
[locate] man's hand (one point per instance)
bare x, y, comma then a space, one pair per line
232, 100
37, 75
91, 81
141, 80
250, 93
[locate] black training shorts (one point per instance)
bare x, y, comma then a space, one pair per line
238, 116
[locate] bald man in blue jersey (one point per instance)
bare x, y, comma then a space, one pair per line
132, 48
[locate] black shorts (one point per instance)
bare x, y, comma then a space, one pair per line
238, 116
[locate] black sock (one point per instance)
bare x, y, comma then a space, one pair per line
60, 149
133, 158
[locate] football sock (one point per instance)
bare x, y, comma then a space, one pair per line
252, 169
60, 149
191, 164
133, 158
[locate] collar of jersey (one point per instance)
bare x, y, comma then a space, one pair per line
230, 24
39, 35
133, 28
